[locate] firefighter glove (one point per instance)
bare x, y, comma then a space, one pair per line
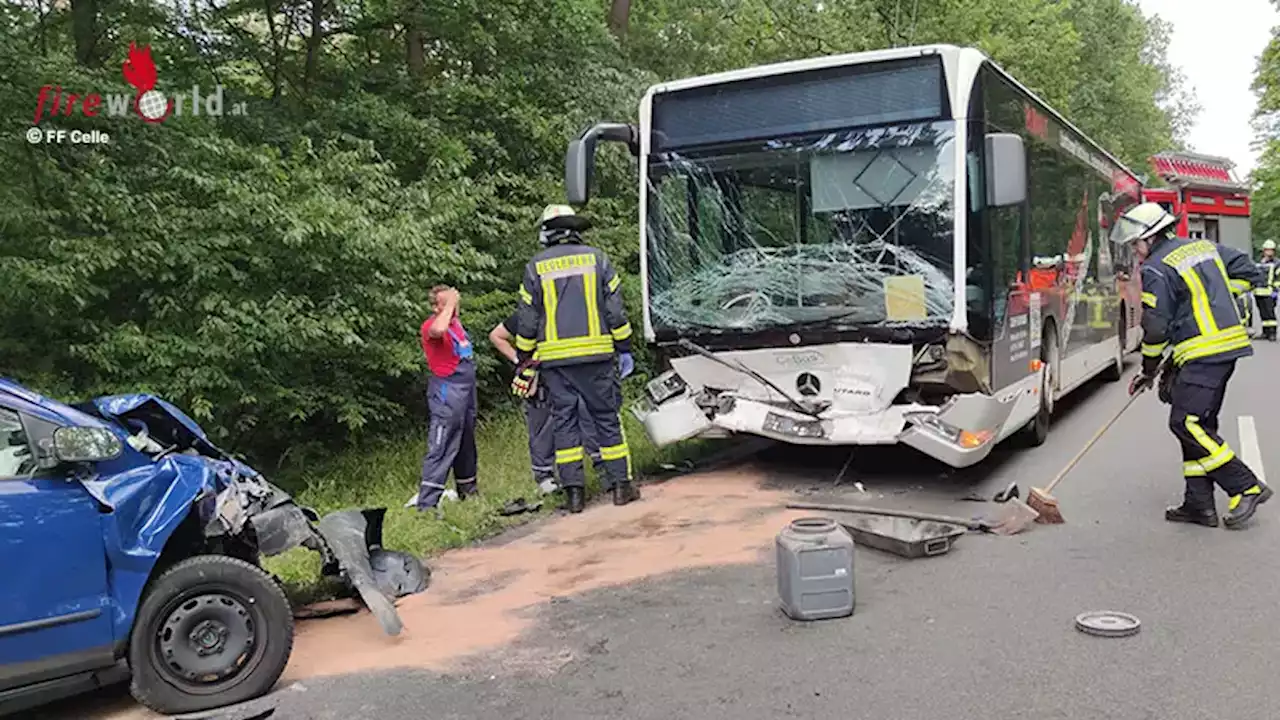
1142, 381
1164, 389
525, 383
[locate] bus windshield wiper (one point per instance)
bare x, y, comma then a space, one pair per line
740, 367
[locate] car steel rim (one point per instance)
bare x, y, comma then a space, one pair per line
206, 640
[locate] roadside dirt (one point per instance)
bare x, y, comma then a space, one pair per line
484, 598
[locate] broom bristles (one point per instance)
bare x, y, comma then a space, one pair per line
1046, 505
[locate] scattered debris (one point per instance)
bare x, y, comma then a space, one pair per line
328, 608
252, 710
1108, 623
1008, 493
518, 506
979, 525
397, 573
379, 575
1014, 517
843, 469
907, 537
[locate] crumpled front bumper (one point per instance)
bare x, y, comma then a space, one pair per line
348, 541
959, 433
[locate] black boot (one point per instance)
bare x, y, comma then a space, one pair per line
1242, 506
625, 492
467, 489
575, 499
1185, 513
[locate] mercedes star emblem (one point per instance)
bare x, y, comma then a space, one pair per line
808, 384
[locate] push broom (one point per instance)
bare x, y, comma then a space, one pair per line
1043, 501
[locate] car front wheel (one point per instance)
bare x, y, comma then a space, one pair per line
212, 631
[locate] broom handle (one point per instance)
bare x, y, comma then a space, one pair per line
1096, 436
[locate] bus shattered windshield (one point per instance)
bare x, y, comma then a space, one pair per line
842, 230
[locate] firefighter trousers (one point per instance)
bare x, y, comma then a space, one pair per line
1267, 313
1196, 399
542, 437
595, 388
451, 436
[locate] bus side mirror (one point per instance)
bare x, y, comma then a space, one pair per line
1006, 170
580, 159
579, 164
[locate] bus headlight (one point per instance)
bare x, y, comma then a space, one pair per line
956, 436
784, 425
665, 386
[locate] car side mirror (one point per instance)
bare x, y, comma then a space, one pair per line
1006, 170
85, 444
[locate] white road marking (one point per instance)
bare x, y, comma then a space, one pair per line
1250, 451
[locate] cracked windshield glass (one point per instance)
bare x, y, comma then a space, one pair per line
838, 230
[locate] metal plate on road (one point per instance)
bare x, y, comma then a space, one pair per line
1108, 623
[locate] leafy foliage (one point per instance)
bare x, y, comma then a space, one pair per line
269, 270
1266, 176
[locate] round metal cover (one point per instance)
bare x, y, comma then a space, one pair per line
1108, 623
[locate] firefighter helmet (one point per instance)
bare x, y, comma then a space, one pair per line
1269, 245
560, 222
1143, 222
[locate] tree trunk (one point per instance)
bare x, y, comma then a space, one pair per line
84, 28
313, 43
619, 17
415, 40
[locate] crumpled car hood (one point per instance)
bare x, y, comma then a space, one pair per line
149, 501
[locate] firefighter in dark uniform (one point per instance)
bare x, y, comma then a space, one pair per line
1243, 277
571, 314
1188, 310
1265, 296
538, 418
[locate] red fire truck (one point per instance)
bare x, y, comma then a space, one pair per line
1205, 195
1209, 202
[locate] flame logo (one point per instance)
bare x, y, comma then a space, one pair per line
140, 71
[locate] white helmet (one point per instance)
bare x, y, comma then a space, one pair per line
1269, 245
560, 222
1141, 223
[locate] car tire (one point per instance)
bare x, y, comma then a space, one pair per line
1115, 371
212, 631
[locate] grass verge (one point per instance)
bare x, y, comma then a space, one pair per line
386, 474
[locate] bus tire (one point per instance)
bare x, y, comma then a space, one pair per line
1037, 430
1116, 370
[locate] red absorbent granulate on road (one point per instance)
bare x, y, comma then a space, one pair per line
481, 599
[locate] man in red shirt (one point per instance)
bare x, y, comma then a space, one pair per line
451, 399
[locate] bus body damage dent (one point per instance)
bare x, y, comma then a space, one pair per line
837, 394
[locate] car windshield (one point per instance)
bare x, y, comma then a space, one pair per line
840, 230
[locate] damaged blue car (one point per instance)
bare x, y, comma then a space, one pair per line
130, 547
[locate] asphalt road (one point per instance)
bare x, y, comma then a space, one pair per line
985, 631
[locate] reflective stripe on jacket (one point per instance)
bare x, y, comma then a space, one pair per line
1268, 269
1188, 303
1242, 274
571, 308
